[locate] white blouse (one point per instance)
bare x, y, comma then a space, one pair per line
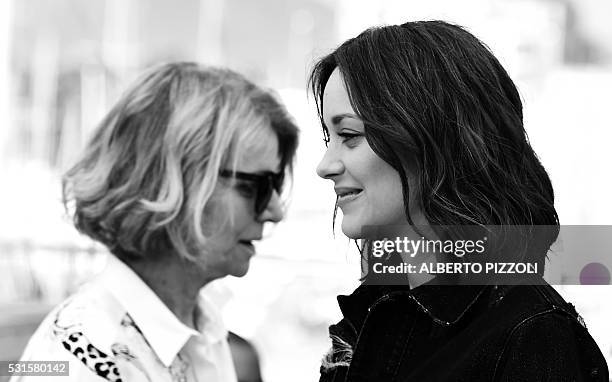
116, 328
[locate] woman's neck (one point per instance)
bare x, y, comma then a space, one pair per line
403, 240
175, 281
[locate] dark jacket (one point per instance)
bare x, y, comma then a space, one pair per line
463, 333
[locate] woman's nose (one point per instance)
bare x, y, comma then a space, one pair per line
274, 210
330, 165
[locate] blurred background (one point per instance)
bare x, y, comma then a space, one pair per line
64, 62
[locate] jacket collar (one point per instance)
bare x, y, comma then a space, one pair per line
445, 304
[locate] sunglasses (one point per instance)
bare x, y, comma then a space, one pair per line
266, 183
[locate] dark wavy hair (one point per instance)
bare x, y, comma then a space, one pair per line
435, 100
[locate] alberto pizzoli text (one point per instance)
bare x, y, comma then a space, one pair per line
449, 268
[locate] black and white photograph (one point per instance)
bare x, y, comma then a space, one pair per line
305, 190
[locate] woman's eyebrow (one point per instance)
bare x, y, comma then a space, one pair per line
260, 172
336, 119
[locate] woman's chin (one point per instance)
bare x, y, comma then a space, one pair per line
350, 229
240, 271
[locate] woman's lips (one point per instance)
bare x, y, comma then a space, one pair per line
348, 196
247, 244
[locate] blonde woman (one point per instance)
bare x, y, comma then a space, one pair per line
177, 182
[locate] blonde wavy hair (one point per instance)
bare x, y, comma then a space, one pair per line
148, 172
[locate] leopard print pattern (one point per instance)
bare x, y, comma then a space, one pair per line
67, 329
95, 359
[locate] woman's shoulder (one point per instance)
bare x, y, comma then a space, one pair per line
524, 302
80, 331
546, 330
91, 310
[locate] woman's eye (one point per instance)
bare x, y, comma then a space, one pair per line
247, 190
349, 138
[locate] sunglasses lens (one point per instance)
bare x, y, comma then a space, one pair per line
264, 194
266, 184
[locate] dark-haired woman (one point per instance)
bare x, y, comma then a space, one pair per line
424, 131
177, 182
